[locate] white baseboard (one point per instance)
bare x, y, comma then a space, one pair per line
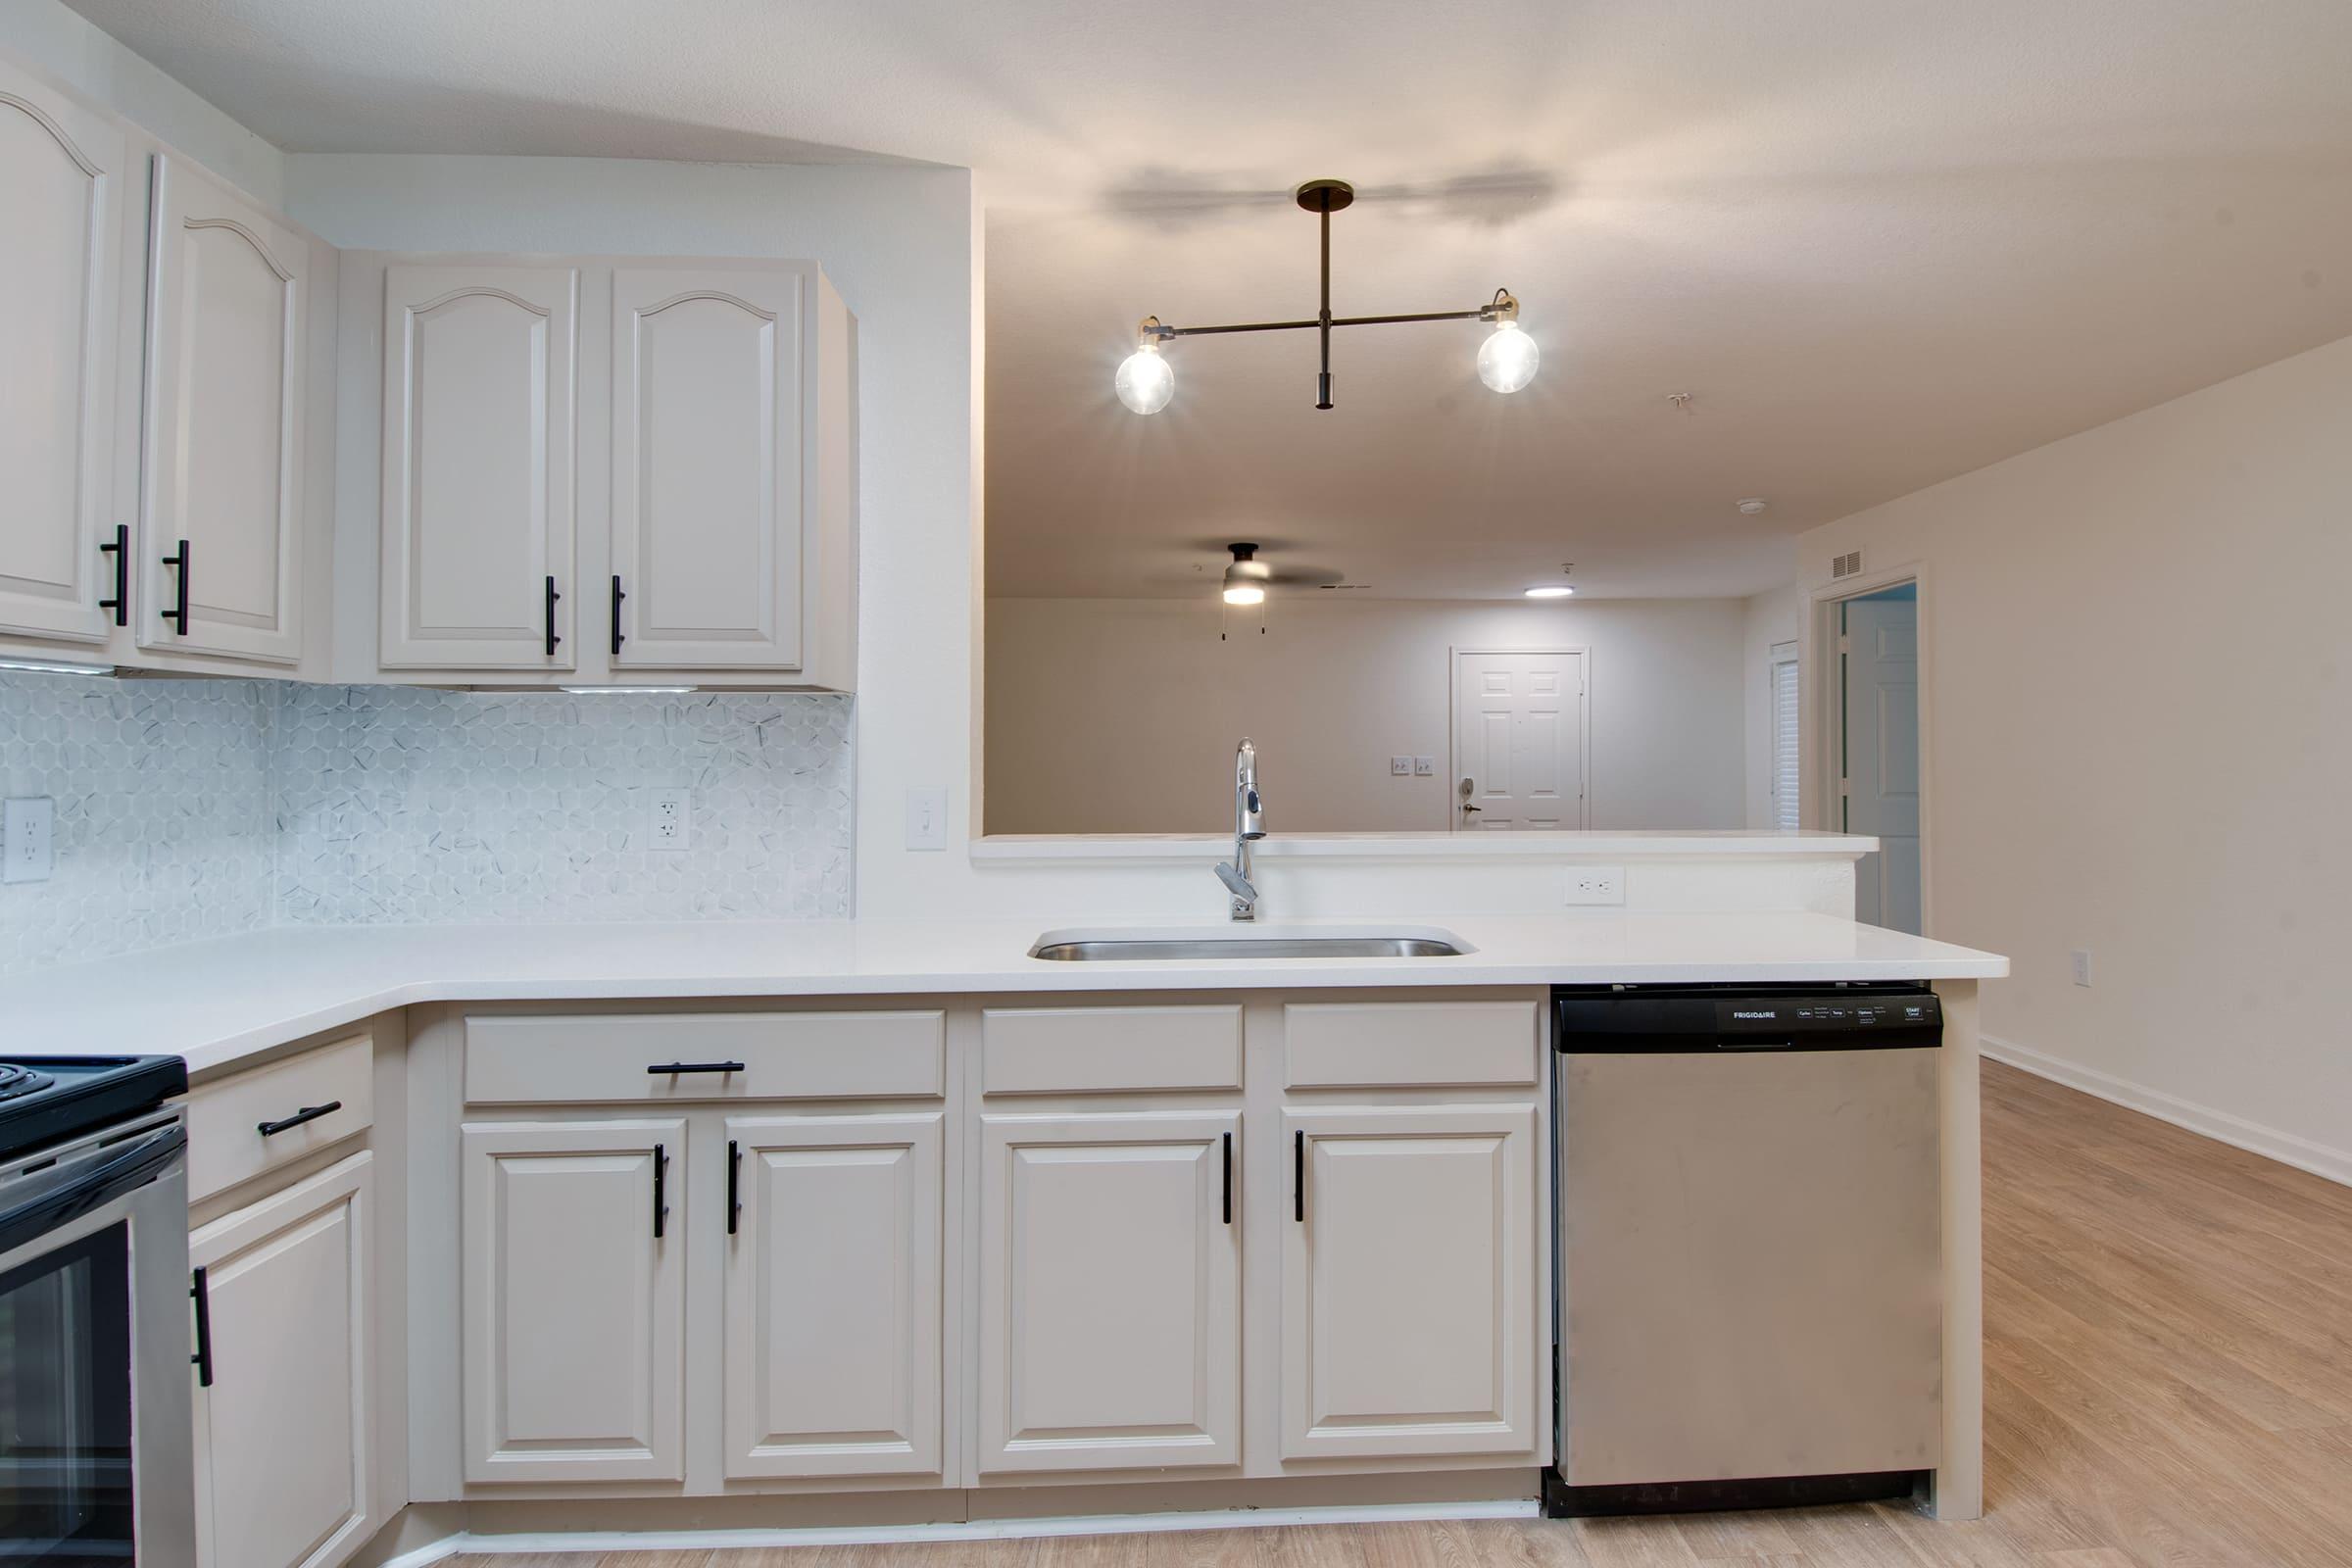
2286, 1148
467, 1545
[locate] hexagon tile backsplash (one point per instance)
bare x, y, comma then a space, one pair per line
190, 809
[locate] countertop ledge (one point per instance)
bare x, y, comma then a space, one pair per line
221, 1001
1694, 844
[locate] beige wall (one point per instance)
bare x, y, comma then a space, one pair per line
2141, 744
1120, 715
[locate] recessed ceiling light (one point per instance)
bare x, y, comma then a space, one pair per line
1750, 506
1555, 591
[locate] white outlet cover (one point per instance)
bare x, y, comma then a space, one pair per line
1597, 884
27, 839
670, 818
927, 819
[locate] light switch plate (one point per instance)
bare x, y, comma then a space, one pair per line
1401, 767
2082, 961
1424, 766
927, 819
669, 823
27, 839
1597, 884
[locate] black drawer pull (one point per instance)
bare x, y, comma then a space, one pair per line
663, 1070
734, 1180
120, 550
271, 1129
178, 613
1298, 1177
1229, 1178
660, 1184
200, 1291
552, 597
617, 597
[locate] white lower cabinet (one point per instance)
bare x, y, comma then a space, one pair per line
284, 1461
575, 1282
1409, 1295
832, 1343
1109, 1274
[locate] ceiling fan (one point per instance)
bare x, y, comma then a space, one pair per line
1247, 579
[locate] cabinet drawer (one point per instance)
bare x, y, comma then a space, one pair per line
771, 1056
1061, 1051
228, 1140
1376, 1045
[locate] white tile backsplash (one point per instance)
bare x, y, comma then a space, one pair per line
188, 808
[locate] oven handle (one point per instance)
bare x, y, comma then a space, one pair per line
127, 1167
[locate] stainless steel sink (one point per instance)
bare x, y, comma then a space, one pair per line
1220, 948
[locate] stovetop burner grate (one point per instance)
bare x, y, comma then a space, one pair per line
20, 1081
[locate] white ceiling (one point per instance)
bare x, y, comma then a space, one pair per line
1881, 241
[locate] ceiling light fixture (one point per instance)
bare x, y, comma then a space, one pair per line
1506, 360
1559, 591
1245, 579
1752, 505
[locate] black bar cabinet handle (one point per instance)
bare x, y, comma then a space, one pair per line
1229, 1178
1298, 1177
271, 1129
177, 614
660, 1184
660, 1069
200, 1291
617, 597
552, 597
734, 1180
119, 549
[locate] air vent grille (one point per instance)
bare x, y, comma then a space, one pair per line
1848, 565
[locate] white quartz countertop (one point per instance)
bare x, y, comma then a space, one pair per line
219, 1002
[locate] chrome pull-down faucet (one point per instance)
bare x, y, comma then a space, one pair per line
1248, 824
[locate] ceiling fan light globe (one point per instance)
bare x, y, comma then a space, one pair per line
1244, 592
1507, 359
1145, 380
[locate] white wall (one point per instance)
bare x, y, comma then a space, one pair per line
1767, 618
1120, 715
898, 242
71, 49
2139, 742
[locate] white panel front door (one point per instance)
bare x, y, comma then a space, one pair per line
61, 170
479, 444
284, 1434
1109, 1292
1408, 1292
227, 347
1518, 740
574, 1306
707, 467
1882, 757
833, 1296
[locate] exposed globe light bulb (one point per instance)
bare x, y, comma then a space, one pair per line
1145, 380
1506, 360
1244, 592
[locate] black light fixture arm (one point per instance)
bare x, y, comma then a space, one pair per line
1323, 197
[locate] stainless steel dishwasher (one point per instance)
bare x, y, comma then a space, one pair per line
1750, 1300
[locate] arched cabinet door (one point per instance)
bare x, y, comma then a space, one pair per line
712, 485
480, 466
62, 167
221, 536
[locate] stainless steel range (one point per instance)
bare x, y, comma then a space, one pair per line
94, 1314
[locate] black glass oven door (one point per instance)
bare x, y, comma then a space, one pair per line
64, 1406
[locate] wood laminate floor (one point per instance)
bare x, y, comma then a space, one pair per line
2168, 1381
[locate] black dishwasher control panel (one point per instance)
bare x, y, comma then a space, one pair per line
1877, 1016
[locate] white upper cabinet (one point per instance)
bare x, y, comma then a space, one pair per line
228, 351
480, 388
710, 478
63, 168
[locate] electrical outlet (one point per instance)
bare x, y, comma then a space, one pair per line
670, 818
27, 842
1425, 767
1597, 884
2081, 959
926, 820
1401, 767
